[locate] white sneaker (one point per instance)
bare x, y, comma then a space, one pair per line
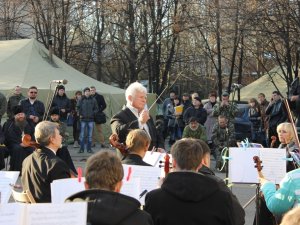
76, 145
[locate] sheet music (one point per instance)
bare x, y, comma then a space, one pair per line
11, 214
153, 158
74, 213
6, 178
274, 165
63, 188
149, 177
131, 187
241, 164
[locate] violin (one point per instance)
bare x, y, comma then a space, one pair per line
26, 140
166, 164
114, 142
273, 141
258, 165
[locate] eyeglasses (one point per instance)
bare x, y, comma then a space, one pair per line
33, 92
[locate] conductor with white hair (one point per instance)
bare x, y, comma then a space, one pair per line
135, 115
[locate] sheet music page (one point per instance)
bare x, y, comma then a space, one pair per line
63, 188
74, 213
241, 165
153, 158
149, 177
6, 178
131, 187
11, 214
274, 165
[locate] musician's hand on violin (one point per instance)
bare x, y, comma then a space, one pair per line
144, 116
24, 145
294, 98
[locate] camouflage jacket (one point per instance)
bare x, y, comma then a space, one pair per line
229, 111
200, 133
223, 137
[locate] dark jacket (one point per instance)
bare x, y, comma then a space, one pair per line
189, 198
13, 101
125, 121
111, 208
200, 114
87, 107
277, 113
100, 101
62, 102
39, 170
134, 159
36, 109
3, 104
238, 211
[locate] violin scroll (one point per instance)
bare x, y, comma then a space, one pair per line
258, 166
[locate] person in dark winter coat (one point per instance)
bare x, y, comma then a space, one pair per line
87, 107
186, 196
196, 110
14, 130
33, 108
238, 211
62, 102
103, 181
13, 101
137, 143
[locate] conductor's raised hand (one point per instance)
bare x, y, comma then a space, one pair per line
144, 116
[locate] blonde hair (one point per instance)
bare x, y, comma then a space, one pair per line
288, 128
137, 140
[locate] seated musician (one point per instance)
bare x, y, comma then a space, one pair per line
62, 152
14, 130
238, 211
186, 196
287, 140
103, 181
286, 197
137, 143
43, 166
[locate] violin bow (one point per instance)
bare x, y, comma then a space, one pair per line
165, 90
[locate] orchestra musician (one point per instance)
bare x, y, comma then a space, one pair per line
135, 116
137, 143
287, 140
186, 196
103, 182
43, 166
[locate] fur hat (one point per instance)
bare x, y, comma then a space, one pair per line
54, 111
17, 109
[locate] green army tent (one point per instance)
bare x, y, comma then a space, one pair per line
26, 63
264, 85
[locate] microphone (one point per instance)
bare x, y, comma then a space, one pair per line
235, 85
59, 81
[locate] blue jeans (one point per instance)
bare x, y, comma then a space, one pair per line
89, 126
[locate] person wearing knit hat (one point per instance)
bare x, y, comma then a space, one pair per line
14, 129
62, 102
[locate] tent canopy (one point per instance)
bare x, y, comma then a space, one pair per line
264, 85
26, 63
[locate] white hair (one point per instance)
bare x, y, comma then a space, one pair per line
133, 89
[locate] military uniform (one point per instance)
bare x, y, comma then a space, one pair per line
225, 110
222, 137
